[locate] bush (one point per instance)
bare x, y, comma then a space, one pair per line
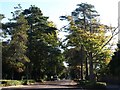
31, 81
85, 82
100, 86
15, 82
27, 82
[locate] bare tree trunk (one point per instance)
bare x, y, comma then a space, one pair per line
91, 67
12, 75
81, 70
86, 67
86, 60
81, 63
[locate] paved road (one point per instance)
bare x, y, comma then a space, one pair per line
53, 85
113, 87
48, 85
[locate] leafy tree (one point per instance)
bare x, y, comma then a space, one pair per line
87, 34
114, 63
1, 17
43, 44
2, 34
33, 35
16, 51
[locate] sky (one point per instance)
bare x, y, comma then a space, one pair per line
108, 9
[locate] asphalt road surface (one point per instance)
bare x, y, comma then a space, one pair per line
48, 85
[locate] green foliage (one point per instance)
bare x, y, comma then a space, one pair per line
16, 82
2, 34
33, 50
87, 37
114, 65
16, 50
43, 44
1, 16
27, 82
11, 82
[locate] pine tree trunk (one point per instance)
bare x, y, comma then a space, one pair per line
81, 64
81, 70
91, 67
12, 75
86, 66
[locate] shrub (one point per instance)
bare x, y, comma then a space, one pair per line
13, 82
27, 82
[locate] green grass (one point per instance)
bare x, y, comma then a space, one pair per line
15, 82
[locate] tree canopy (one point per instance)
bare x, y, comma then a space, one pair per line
34, 50
88, 36
34, 45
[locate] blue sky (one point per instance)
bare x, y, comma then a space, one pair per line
108, 9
